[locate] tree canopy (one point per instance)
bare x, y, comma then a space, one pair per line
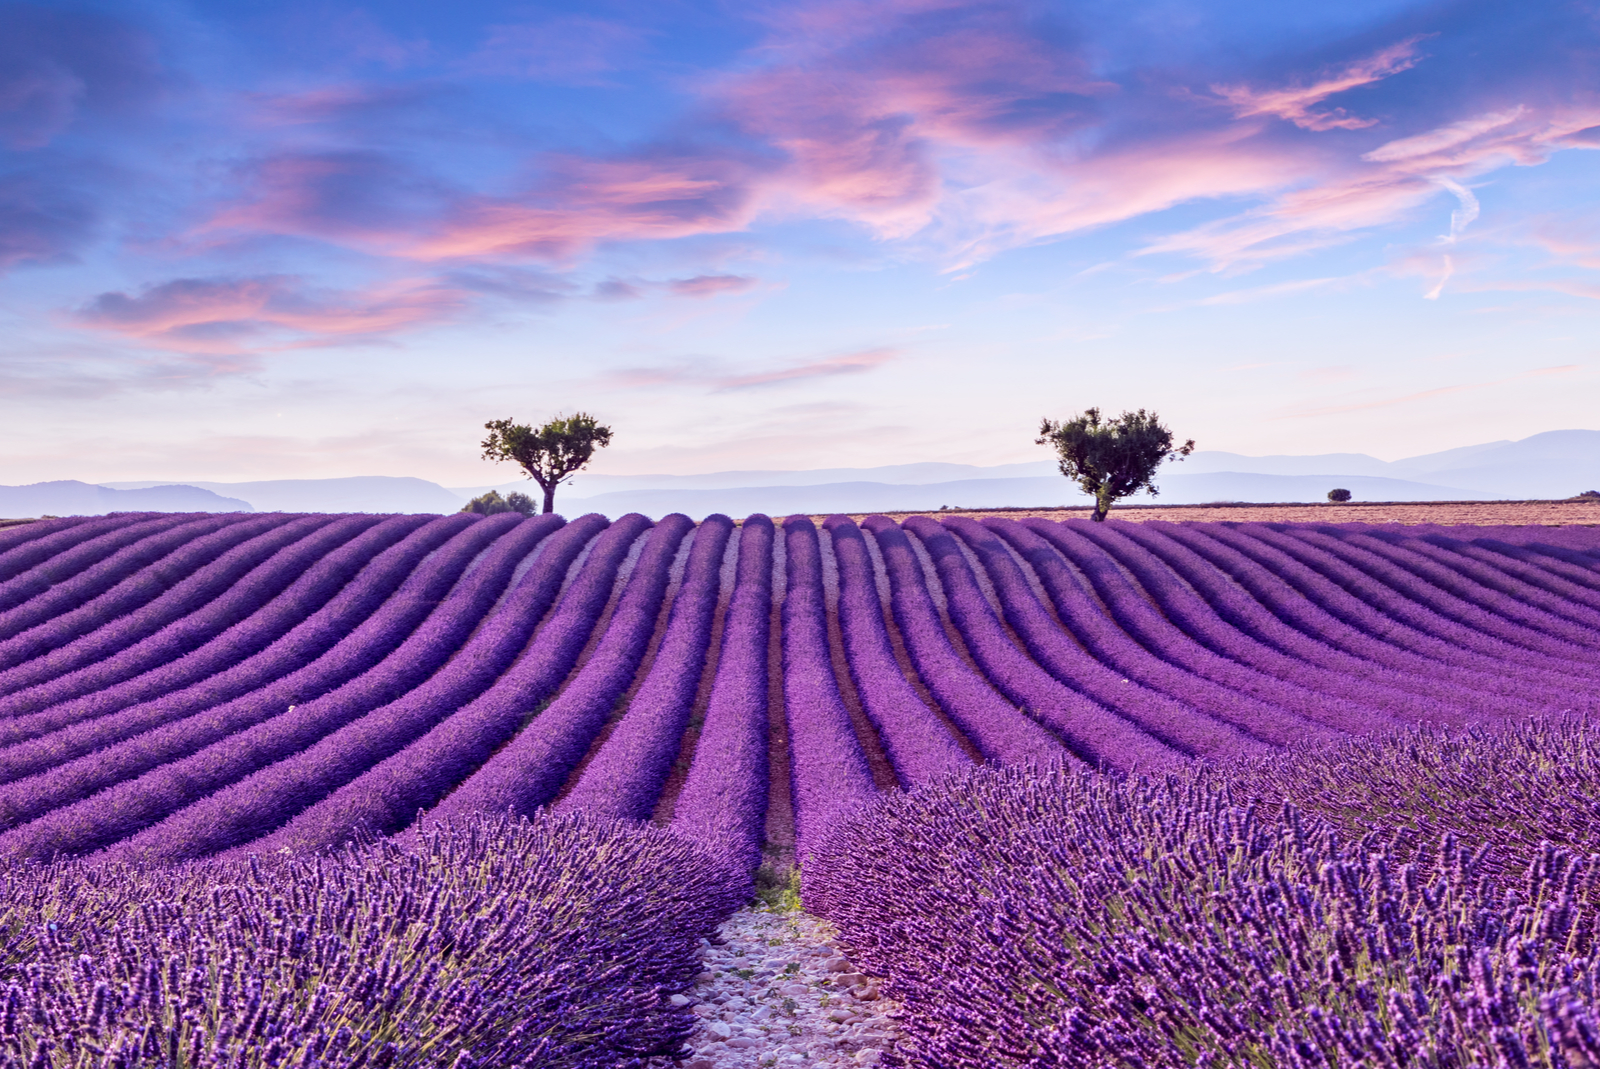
1111, 458
492, 503
1338, 494
550, 454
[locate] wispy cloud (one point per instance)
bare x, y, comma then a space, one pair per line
264, 313
1295, 102
712, 376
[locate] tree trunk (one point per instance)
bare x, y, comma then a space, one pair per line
550, 497
1102, 505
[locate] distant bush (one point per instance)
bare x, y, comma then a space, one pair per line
492, 503
1339, 494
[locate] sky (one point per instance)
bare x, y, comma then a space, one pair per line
243, 239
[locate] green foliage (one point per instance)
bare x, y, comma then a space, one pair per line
778, 889
492, 503
549, 454
1111, 458
1339, 494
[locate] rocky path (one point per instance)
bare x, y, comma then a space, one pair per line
778, 990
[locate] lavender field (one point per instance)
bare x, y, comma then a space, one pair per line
183, 696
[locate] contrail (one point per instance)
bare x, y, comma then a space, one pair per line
1462, 215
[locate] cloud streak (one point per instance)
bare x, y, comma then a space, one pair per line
717, 380
264, 313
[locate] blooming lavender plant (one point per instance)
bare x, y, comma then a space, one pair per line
1171, 923
494, 943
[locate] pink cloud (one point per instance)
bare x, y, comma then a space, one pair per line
354, 196
585, 202
1385, 185
1294, 103
710, 285
212, 315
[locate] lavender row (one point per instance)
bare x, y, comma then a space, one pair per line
999, 730
1427, 609
829, 776
1449, 588
723, 804
300, 777
1133, 613
1226, 619
38, 567
192, 610
1513, 575
210, 675
145, 779
532, 768
387, 797
1378, 634
1168, 924
1118, 739
917, 743
494, 943
90, 597
1125, 673
24, 545
1349, 648
626, 777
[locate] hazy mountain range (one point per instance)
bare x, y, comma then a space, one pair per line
1555, 464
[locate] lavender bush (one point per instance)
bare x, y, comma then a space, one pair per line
918, 745
1170, 922
829, 774
494, 943
723, 804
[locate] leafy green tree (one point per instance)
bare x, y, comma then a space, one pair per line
492, 503
1111, 458
552, 453
1338, 494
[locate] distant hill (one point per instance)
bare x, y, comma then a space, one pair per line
1556, 464
362, 493
69, 497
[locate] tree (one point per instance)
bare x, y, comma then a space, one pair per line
551, 454
492, 503
1338, 494
1111, 458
